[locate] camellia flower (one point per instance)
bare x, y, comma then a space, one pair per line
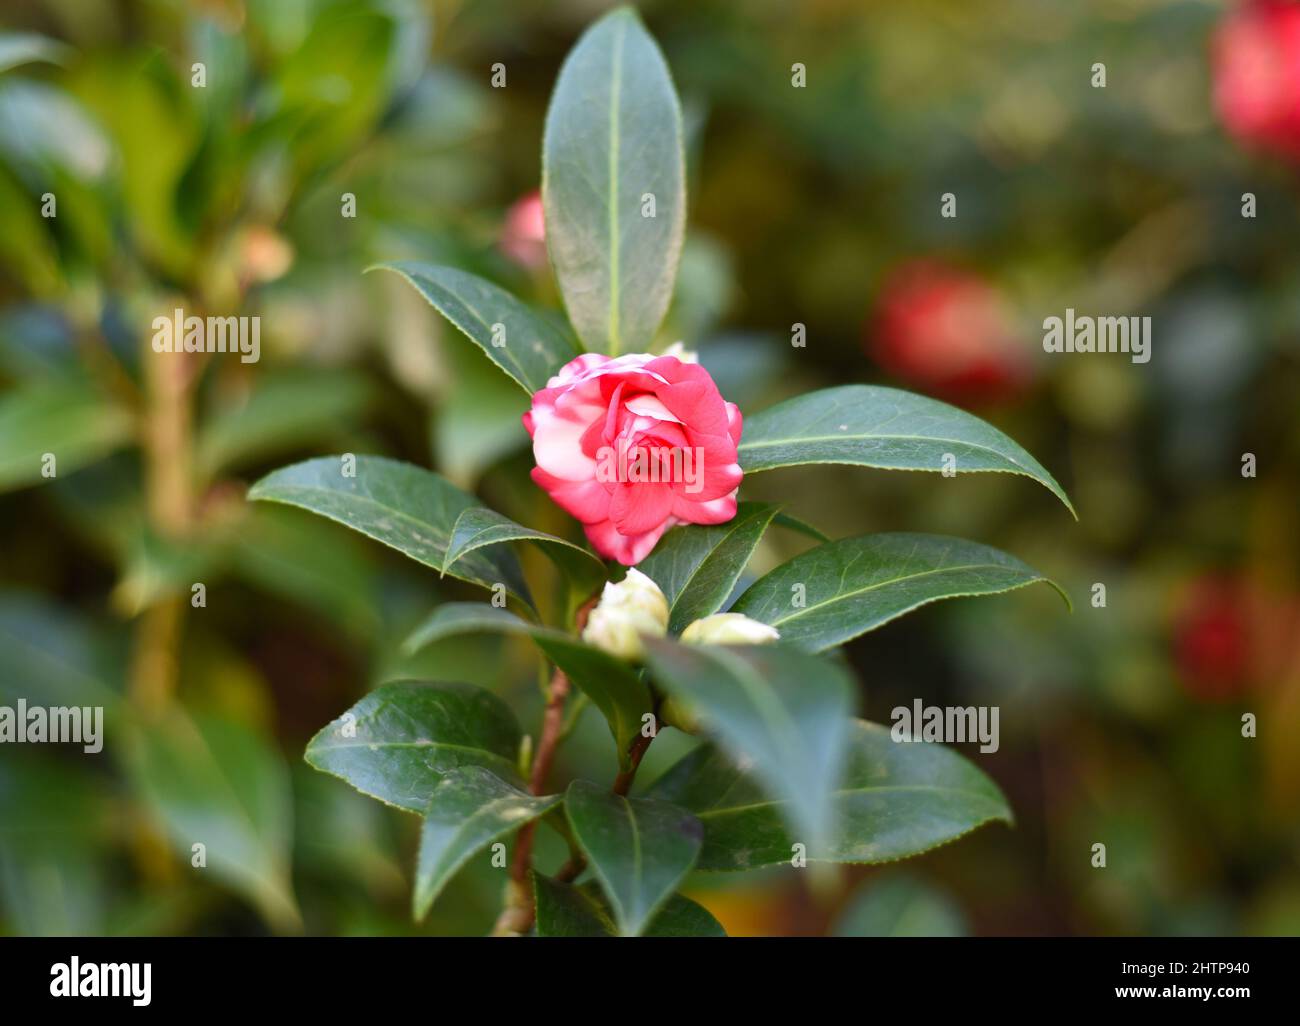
627, 611
1257, 75
948, 331
634, 445
729, 629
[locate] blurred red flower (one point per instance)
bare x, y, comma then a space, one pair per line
1257, 75
1230, 635
523, 236
949, 332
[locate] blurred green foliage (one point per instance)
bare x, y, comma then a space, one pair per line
1120, 724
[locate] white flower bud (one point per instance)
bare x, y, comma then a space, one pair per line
679, 350
729, 629
627, 611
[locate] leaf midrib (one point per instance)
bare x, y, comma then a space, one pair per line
846, 595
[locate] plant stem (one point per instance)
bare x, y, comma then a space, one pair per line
517, 916
623, 782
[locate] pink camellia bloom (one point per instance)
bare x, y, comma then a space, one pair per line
1257, 75
523, 236
948, 331
634, 445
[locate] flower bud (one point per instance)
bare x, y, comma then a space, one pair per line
627, 611
729, 629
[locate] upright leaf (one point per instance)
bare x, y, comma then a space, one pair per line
522, 343
470, 809
781, 712
869, 426
616, 689
564, 910
827, 595
696, 567
398, 742
612, 147
639, 849
895, 799
406, 507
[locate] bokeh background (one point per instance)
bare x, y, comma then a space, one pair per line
818, 206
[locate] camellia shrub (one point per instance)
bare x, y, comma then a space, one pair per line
645, 453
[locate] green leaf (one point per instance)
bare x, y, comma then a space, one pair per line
215, 783
70, 420
281, 413
480, 527
567, 911
532, 349
616, 689
869, 426
613, 135
398, 741
639, 849
469, 810
406, 507
696, 567
853, 585
901, 905
800, 526
894, 800
783, 712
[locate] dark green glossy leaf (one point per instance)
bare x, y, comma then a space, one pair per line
564, 910
613, 686
480, 528
780, 711
613, 137
398, 741
406, 507
696, 567
470, 808
894, 800
830, 594
869, 426
639, 849
527, 346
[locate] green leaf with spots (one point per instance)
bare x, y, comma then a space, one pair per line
398, 742
638, 849
471, 807
870, 426
406, 507
830, 594
612, 146
895, 799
